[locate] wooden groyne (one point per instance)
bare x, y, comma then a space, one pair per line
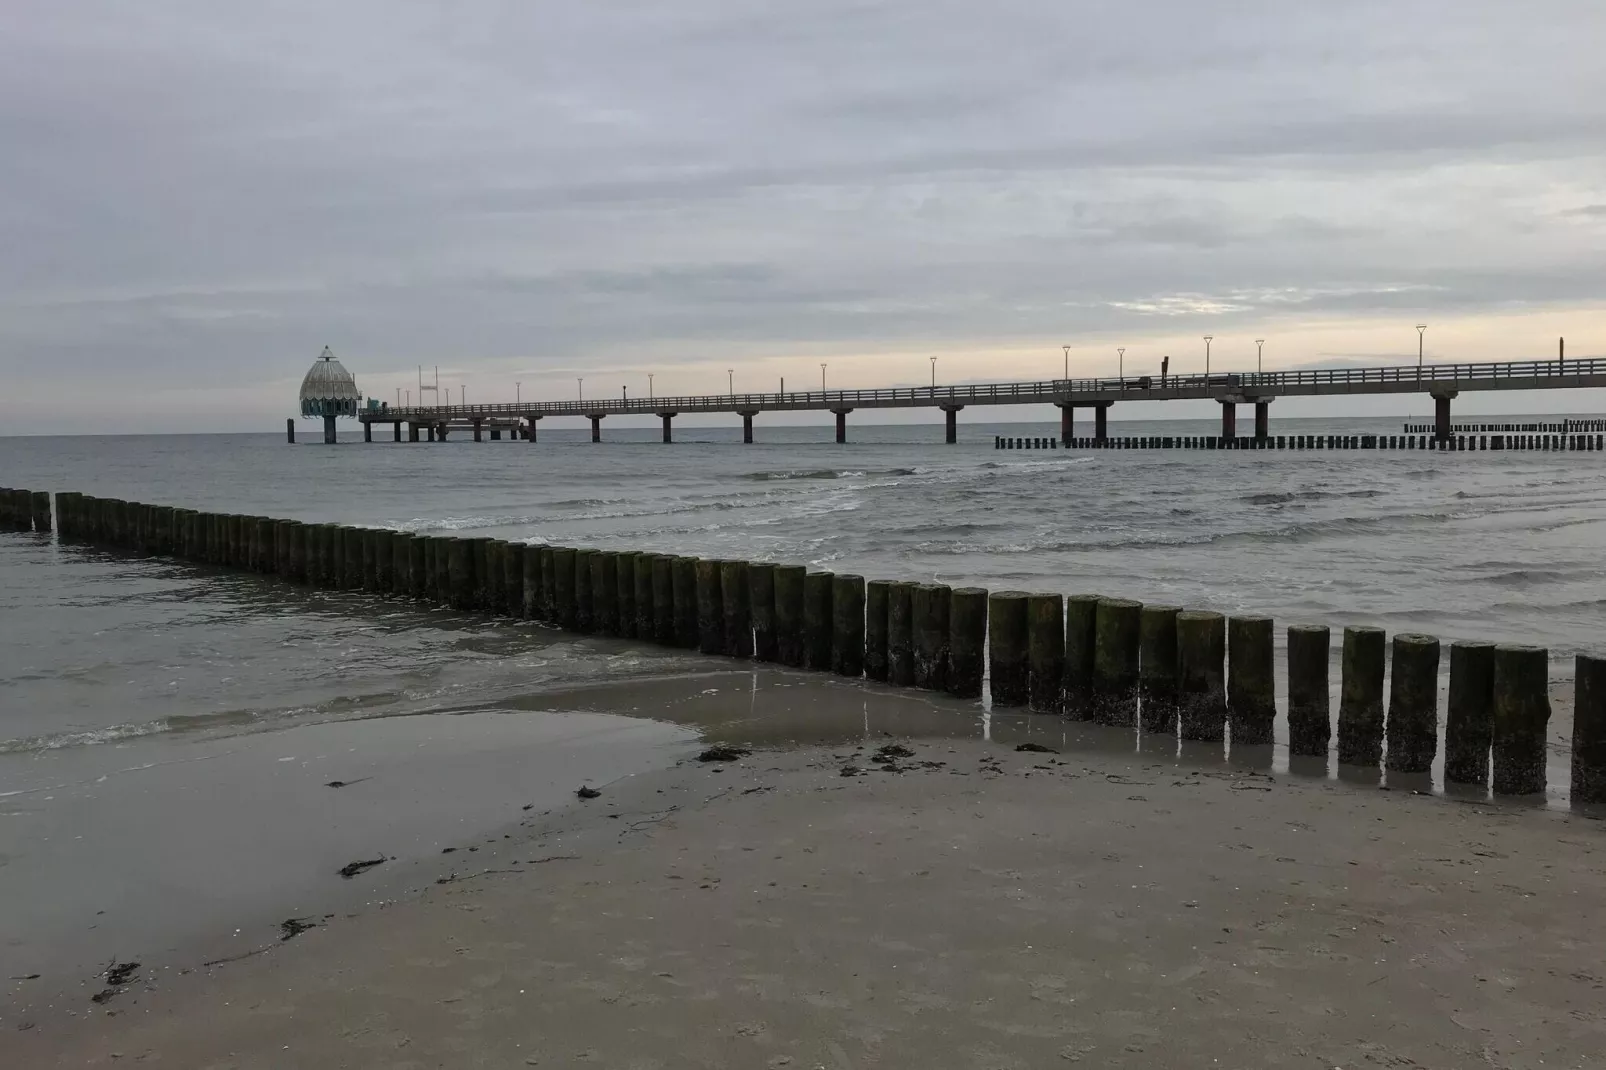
1163, 670
1546, 442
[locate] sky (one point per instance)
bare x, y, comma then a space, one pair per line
197, 195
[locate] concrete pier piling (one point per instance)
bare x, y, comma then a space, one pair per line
900, 635
464, 585
1521, 717
1251, 680
684, 572
605, 592
847, 625
1115, 662
761, 606
817, 620
967, 641
1045, 641
641, 596
585, 618
789, 612
929, 604
1468, 715
624, 610
737, 608
663, 599
1157, 669
1201, 682
875, 629
566, 601
1360, 704
1412, 730
1310, 726
1008, 648
710, 607
1589, 730
1081, 620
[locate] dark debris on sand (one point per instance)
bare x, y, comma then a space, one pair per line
351, 869
723, 752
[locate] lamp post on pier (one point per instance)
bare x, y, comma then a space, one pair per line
580, 387
1067, 361
1120, 364
1421, 330
822, 376
1259, 352
933, 373
1208, 338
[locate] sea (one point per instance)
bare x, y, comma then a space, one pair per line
112, 663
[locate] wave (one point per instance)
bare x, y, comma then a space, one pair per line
1306, 496
817, 473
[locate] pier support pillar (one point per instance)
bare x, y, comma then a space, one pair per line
479, 431
1262, 419
367, 431
747, 427
1067, 423
951, 421
412, 432
667, 417
530, 426
290, 430
1101, 413
1229, 420
430, 430
596, 428
841, 424
395, 430
1441, 415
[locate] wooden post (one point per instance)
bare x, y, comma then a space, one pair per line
1081, 613
1360, 707
1413, 713
1202, 694
789, 613
737, 608
1115, 662
1521, 717
1008, 650
1045, 638
847, 625
929, 604
967, 642
900, 635
1157, 669
817, 619
761, 606
1251, 683
1310, 725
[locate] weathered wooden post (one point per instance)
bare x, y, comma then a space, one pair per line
1008, 650
1201, 686
625, 600
1360, 705
1521, 716
605, 592
847, 625
684, 574
585, 619
1081, 633
1251, 680
1310, 725
929, 604
900, 635
663, 599
1469, 714
513, 554
710, 607
384, 560
761, 604
1045, 639
566, 602
1413, 713
531, 605
646, 623
875, 629
460, 568
547, 600
402, 545
789, 613
967, 641
41, 511
441, 570
1115, 662
1157, 669
736, 609
817, 620
1589, 730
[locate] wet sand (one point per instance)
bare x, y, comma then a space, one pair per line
970, 905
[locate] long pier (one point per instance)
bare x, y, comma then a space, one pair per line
1443, 382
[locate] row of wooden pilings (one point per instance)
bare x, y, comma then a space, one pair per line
1565, 427
24, 510
1166, 670
1557, 443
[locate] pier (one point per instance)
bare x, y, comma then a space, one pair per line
1442, 382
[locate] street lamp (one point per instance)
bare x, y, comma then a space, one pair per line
1120, 363
1067, 361
730, 379
580, 387
649, 385
1259, 342
1421, 329
933, 373
517, 386
1207, 339
822, 376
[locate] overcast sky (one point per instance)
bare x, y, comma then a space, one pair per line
198, 194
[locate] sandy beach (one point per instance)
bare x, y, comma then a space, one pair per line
952, 902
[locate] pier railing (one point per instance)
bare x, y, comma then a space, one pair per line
1537, 374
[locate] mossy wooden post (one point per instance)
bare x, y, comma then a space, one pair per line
1521, 716
929, 604
875, 629
370, 559
1081, 617
1201, 681
513, 578
41, 511
566, 605
847, 625
585, 619
967, 642
530, 594
1360, 704
1310, 717
403, 581
710, 607
624, 609
1413, 714
1045, 638
663, 599
817, 588
687, 633
1008, 654
437, 586
605, 592
1115, 662
1469, 714
641, 596
385, 560
281, 546
789, 613
460, 570
761, 606
490, 564
549, 585
1589, 730
413, 545
736, 609
900, 635
1157, 669
263, 540
1251, 681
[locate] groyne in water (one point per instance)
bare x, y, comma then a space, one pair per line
1164, 670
